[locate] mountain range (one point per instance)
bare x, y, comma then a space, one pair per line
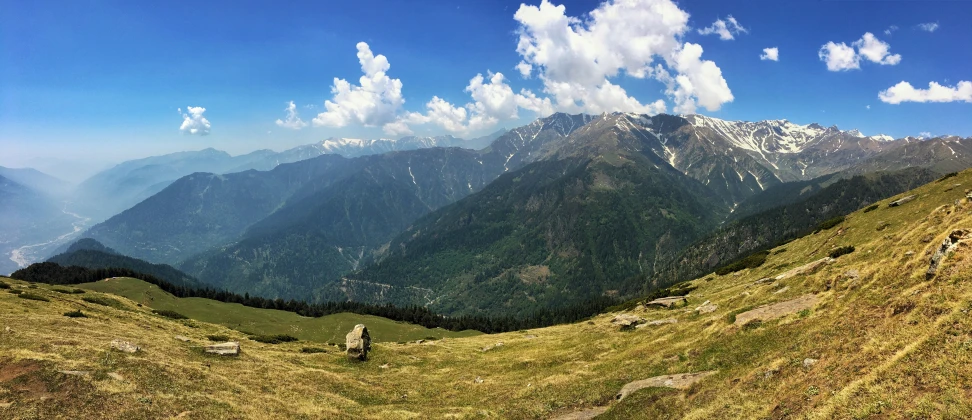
566, 208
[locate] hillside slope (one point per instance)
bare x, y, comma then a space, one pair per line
876, 337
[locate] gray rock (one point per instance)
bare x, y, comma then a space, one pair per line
667, 302
627, 321
678, 381
76, 372
358, 342
124, 346
901, 201
478, 380
707, 307
229, 348
658, 322
182, 338
947, 246
116, 377
764, 280
809, 362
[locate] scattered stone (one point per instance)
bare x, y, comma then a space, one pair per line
764, 280
384, 366
585, 414
182, 338
783, 290
116, 377
808, 268
927, 238
897, 203
667, 302
76, 372
478, 380
777, 310
358, 342
909, 253
658, 322
488, 348
229, 348
809, 362
852, 274
707, 307
627, 321
641, 308
124, 346
679, 381
529, 336
948, 245
419, 341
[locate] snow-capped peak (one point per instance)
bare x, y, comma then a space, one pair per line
882, 137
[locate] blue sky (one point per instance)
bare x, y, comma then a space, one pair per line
102, 81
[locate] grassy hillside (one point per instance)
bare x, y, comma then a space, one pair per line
326, 329
879, 340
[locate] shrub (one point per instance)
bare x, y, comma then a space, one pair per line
75, 314
779, 251
78, 291
218, 337
844, 250
871, 208
829, 223
431, 338
752, 325
274, 339
947, 176
313, 350
4, 285
15, 291
31, 286
751, 261
62, 291
102, 300
169, 314
32, 296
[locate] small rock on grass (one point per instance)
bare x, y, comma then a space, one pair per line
124, 346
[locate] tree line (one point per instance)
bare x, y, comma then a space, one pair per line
55, 274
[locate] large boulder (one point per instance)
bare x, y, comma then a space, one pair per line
124, 346
948, 245
627, 321
358, 342
229, 348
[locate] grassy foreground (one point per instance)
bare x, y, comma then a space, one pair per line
884, 342
325, 329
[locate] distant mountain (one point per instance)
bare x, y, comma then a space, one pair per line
36, 180
777, 225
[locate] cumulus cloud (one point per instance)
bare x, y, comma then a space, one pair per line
904, 92
193, 121
928, 27
493, 100
890, 29
772, 54
374, 101
575, 57
841, 57
726, 29
293, 120
925, 135
867, 106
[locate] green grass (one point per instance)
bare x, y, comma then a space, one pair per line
168, 313
103, 301
33, 296
330, 328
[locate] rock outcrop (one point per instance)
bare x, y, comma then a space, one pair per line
947, 246
229, 348
776, 310
808, 268
124, 346
679, 381
667, 302
901, 201
358, 343
627, 321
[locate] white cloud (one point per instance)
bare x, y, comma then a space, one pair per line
524, 69
293, 120
576, 58
890, 29
726, 29
841, 56
772, 54
904, 92
867, 106
925, 135
194, 122
493, 101
876, 50
929, 27
375, 101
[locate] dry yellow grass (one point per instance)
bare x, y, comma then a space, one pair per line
888, 344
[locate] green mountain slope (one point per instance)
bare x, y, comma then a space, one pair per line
89, 253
